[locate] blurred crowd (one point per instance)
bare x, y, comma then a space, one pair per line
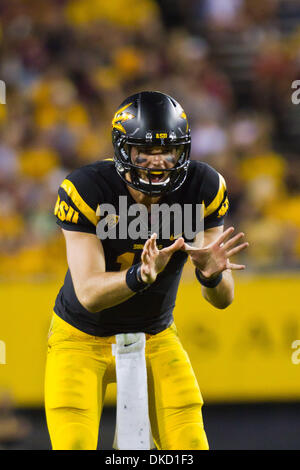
68, 64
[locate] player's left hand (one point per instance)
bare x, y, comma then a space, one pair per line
213, 259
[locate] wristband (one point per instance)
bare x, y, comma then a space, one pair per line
211, 283
134, 279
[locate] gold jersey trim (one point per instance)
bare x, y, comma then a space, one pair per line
84, 208
215, 204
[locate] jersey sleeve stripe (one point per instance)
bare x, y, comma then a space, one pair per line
74, 195
213, 206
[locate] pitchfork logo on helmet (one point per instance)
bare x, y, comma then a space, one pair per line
147, 120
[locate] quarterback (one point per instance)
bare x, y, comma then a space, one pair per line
124, 285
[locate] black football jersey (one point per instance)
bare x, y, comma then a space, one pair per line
81, 197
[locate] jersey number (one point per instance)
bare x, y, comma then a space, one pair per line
128, 259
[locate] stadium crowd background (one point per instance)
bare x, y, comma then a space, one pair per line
68, 64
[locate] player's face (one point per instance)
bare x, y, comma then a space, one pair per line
157, 158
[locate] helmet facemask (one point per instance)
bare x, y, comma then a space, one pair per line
153, 181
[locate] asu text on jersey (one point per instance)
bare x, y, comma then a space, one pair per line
80, 197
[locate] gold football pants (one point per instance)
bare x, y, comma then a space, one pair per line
79, 367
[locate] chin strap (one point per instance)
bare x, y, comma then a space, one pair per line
133, 430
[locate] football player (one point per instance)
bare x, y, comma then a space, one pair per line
124, 285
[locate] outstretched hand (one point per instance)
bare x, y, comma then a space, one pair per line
213, 259
154, 260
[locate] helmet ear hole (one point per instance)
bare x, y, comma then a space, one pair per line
128, 149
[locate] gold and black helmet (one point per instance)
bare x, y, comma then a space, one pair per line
151, 119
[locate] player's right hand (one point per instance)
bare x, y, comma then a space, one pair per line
154, 260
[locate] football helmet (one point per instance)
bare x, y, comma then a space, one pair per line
146, 120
